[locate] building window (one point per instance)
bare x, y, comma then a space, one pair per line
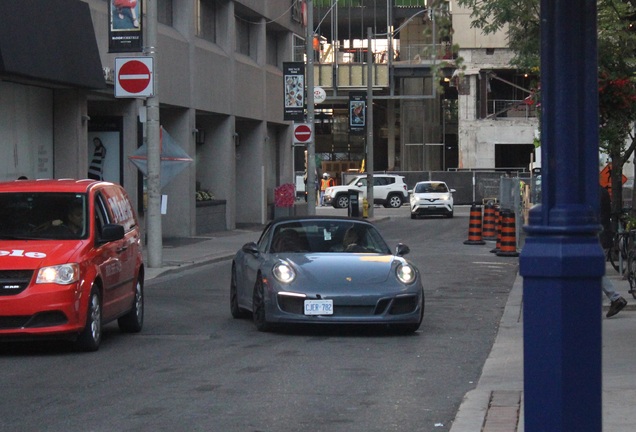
299, 48
164, 12
206, 19
272, 48
243, 36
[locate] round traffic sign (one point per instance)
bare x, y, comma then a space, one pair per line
134, 76
302, 133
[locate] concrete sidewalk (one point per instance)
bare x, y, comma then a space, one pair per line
496, 404
182, 253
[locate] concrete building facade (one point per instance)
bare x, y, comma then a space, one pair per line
219, 80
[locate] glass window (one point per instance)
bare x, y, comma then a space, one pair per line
206, 19
272, 48
243, 36
164, 12
43, 215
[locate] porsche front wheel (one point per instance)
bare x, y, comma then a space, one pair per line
259, 313
237, 311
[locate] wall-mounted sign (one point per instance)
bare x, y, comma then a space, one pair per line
294, 88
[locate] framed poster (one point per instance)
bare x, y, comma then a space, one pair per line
125, 26
357, 112
294, 91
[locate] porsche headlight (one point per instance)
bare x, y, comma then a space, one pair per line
283, 272
405, 273
63, 274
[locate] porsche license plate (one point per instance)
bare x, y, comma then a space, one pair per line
318, 307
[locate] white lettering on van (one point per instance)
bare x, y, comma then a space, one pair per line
121, 208
20, 253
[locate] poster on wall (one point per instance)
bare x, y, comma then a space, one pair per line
104, 156
357, 112
124, 29
294, 88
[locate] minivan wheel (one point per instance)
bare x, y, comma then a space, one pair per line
91, 336
133, 321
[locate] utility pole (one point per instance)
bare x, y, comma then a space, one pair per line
311, 148
369, 122
153, 228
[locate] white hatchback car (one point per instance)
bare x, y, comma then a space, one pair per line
431, 197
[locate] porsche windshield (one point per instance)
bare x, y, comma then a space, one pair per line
43, 215
327, 236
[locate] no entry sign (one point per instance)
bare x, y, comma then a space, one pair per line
133, 77
302, 133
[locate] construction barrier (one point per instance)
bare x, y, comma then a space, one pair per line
474, 226
489, 231
497, 230
508, 235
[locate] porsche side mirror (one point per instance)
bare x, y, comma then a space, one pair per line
250, 248
401, 249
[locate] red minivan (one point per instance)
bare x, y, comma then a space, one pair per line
70, 260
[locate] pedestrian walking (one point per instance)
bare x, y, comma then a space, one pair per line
617, 302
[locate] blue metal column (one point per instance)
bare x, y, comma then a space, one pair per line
562, 262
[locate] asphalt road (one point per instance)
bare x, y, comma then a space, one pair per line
195, 368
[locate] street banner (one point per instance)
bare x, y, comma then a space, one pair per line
357, 112
294, 88
124, 26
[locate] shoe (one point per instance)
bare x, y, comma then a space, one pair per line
616, 306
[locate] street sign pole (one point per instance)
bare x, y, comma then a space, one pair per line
153, 228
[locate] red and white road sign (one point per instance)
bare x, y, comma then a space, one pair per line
133, 77
302, 133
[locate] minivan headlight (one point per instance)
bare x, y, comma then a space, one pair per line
63, 274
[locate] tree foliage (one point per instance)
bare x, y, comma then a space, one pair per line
616, 65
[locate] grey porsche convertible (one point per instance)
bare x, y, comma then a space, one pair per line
325, 270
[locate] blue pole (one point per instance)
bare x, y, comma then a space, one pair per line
562, 262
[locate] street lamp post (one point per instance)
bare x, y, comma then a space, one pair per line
311, 148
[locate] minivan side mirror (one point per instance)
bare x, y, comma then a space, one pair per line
111, 232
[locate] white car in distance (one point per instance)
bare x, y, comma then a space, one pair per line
431, 198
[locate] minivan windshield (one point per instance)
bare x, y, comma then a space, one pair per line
43, 215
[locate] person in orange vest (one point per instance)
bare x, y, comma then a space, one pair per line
325, 182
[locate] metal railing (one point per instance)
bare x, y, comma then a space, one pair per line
499, 108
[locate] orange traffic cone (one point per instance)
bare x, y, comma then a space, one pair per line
474, 226
497, 230
508, 235
490, 226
